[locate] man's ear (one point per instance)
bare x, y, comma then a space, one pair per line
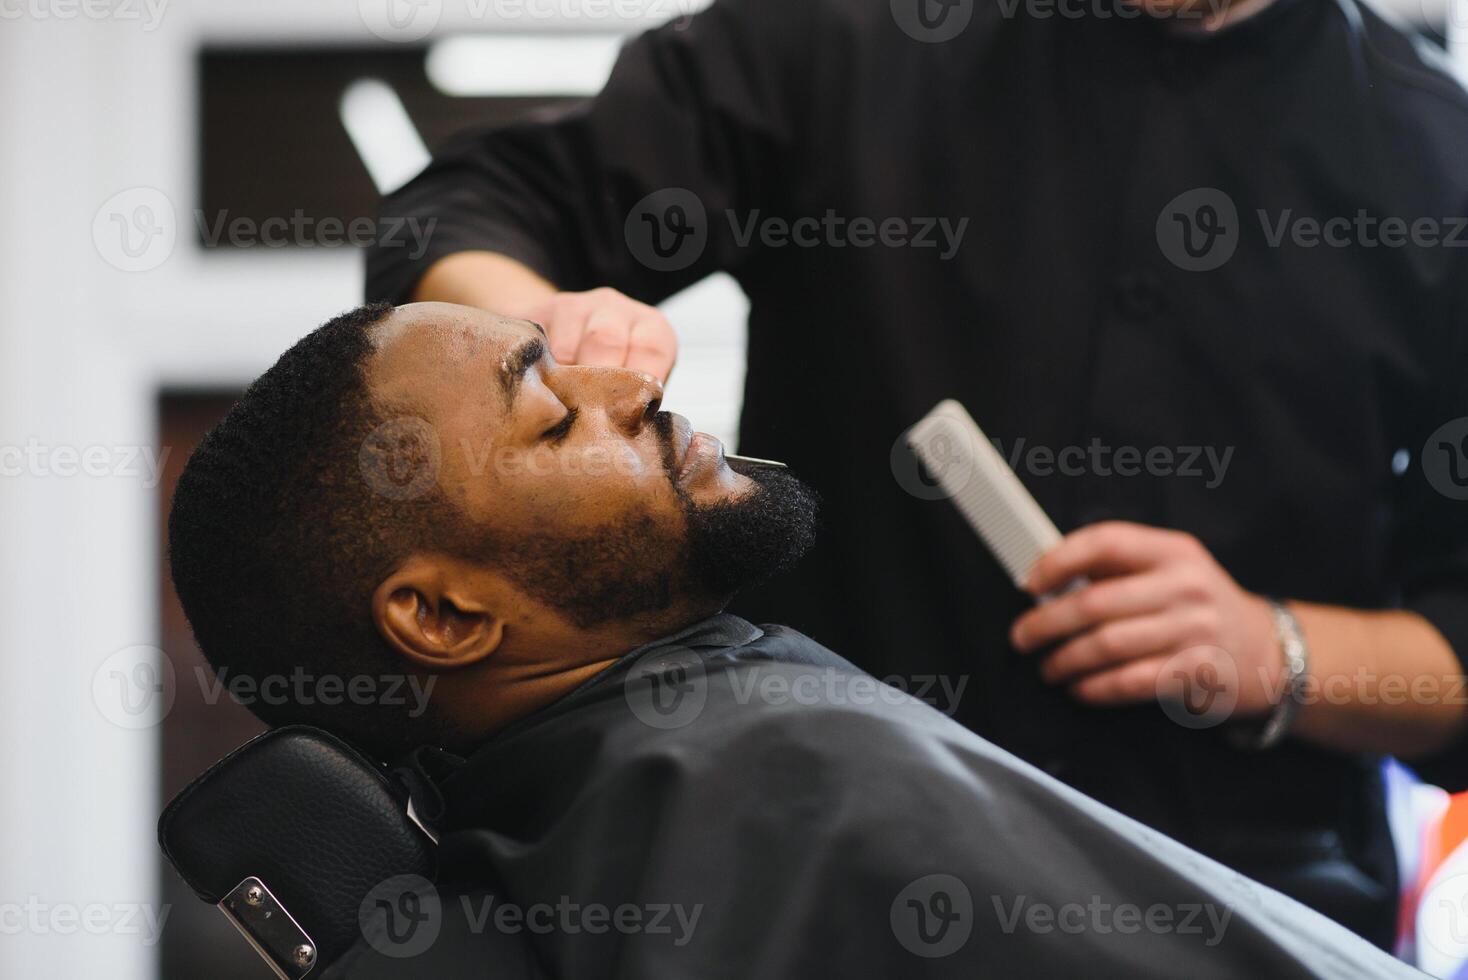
430, 610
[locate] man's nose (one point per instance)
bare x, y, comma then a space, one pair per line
631, 397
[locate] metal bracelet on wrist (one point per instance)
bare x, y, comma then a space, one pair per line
1296, 666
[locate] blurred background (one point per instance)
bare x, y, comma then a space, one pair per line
182, 192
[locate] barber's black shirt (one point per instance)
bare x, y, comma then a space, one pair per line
1148, 298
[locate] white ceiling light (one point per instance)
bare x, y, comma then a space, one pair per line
523, 64
385, 138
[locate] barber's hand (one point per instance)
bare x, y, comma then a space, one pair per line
1153, 593
605, 328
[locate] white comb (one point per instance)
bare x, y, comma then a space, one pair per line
968, 468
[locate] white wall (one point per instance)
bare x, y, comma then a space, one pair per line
89, 108
1457, 17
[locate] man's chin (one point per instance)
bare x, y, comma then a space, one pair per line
758, 532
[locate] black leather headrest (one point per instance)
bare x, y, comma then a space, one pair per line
317, 823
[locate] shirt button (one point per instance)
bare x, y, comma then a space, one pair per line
1139, 296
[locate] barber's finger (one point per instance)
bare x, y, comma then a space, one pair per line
652, 346
604, 344
1131, 683
1101, 550
564, 319
1084, 608
1115, 643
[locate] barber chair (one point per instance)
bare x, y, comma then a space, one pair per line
322, 860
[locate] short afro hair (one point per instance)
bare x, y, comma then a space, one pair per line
277, 540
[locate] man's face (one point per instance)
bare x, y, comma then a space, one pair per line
572, 477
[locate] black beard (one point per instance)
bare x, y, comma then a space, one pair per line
637, 568
735, 544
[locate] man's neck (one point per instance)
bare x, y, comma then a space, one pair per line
541, 663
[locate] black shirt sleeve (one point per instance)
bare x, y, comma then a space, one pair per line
1433, 518
709, 105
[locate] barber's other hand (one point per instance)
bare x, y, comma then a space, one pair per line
605, 328
1153, 593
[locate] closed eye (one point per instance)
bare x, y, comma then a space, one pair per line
562, 428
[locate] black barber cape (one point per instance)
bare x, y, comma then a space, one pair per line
739, 802
1276, 377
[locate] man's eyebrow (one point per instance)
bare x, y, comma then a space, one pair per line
519, 361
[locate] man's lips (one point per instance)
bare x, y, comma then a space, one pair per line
691, 450
703, 451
